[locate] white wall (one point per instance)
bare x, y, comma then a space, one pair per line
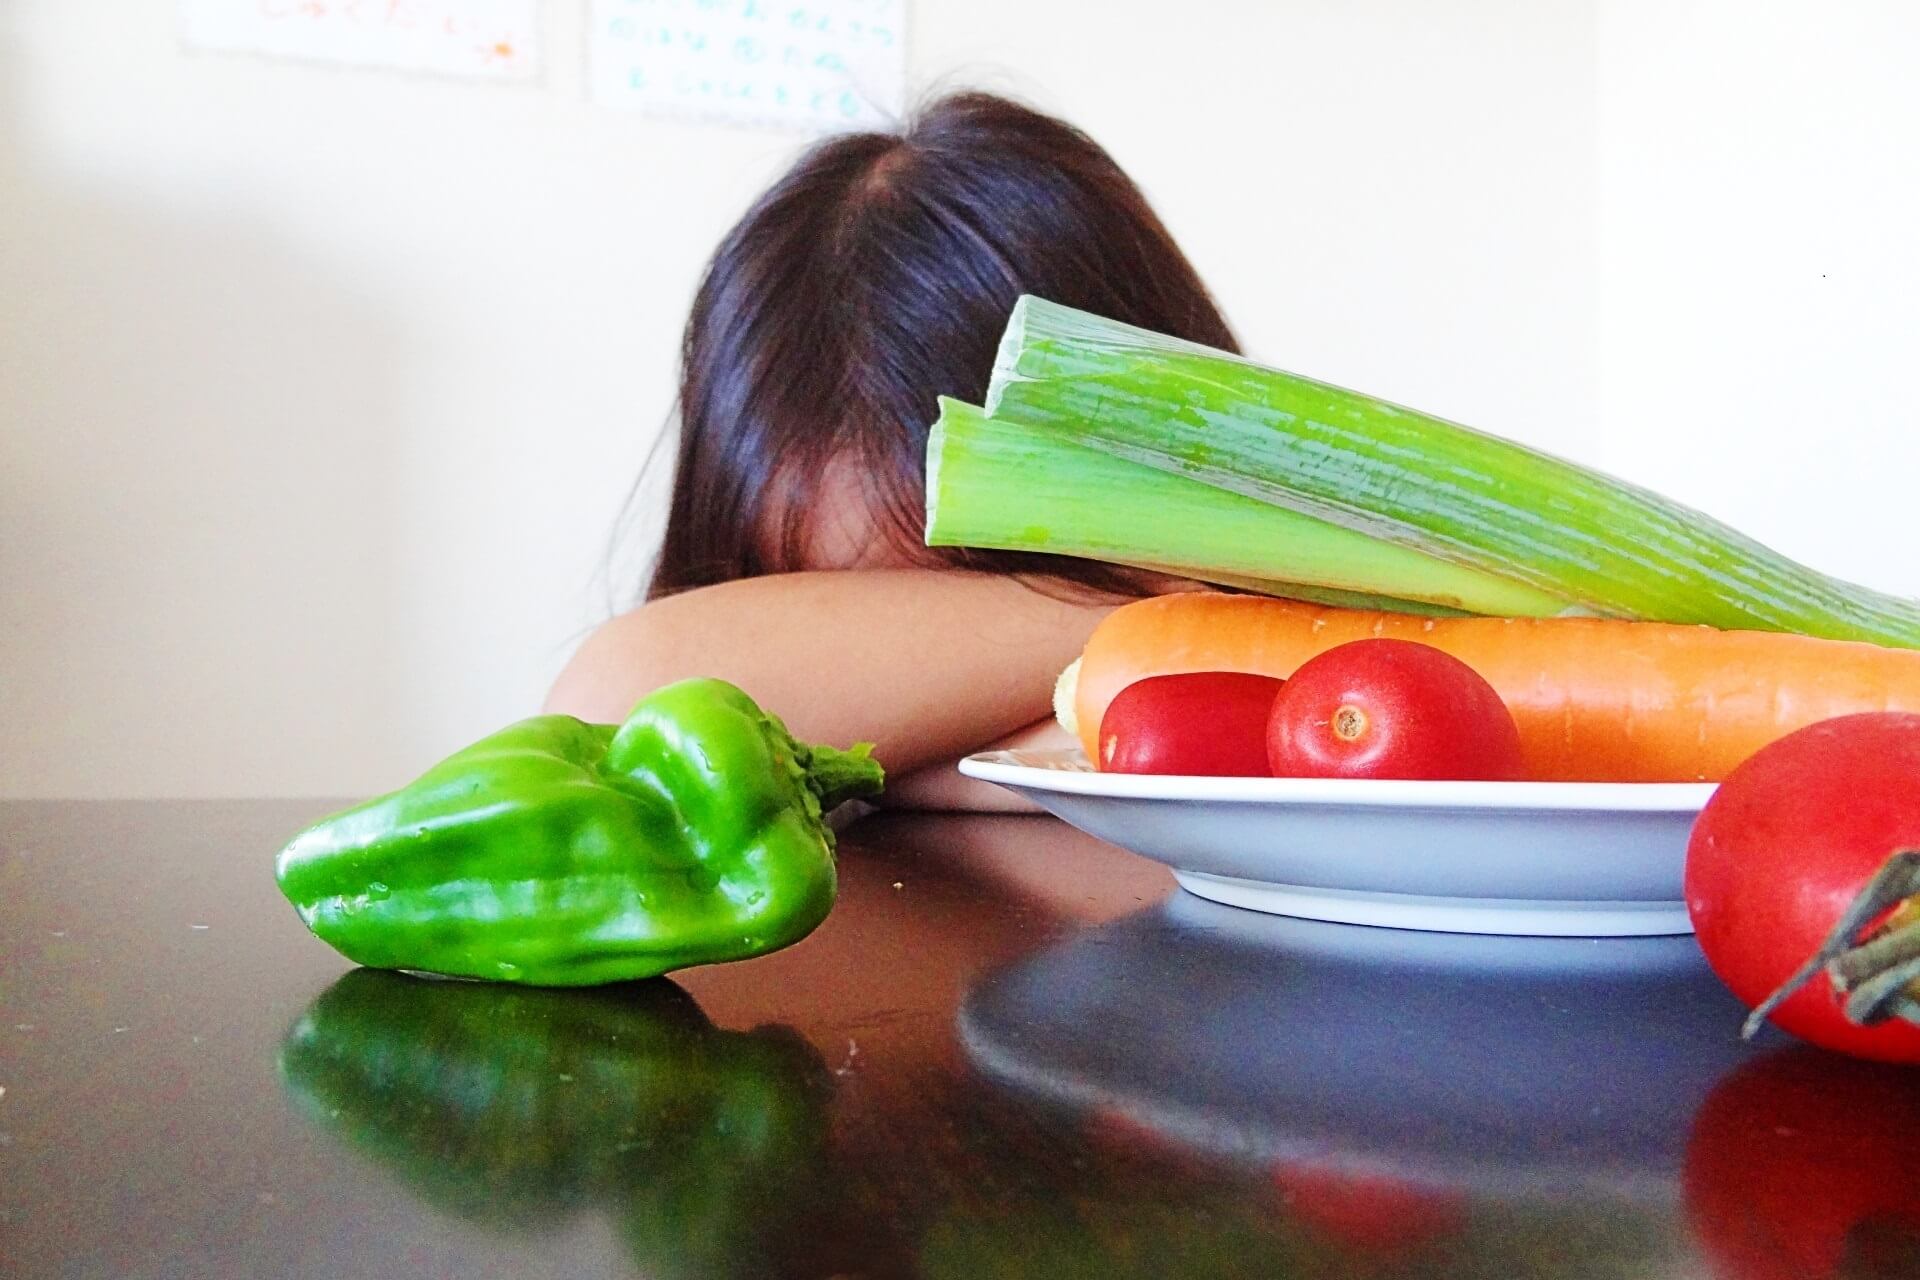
320, 389
1760, 268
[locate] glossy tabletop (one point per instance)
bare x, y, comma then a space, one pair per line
1011, 1051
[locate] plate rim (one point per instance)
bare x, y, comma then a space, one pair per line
1069, 775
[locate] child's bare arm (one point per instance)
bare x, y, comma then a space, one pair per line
941, 785
927, 665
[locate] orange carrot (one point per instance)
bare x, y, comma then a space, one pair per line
1596, 700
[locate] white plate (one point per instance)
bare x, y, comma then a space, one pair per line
1564, 859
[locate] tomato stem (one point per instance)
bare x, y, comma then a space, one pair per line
1875, 977
1876, 973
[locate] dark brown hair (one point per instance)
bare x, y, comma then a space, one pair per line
873, 277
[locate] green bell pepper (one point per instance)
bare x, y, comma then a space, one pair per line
560, 853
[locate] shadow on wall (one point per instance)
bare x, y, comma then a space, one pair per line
196, 428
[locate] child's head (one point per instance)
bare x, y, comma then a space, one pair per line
873, 277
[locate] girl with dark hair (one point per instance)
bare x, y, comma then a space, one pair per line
875, 276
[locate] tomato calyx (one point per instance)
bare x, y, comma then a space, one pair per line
1878, 970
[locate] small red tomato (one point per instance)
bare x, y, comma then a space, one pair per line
1391, 709
1204, 723
1787, 842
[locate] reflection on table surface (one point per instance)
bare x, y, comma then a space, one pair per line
513, 1109
1531, 1066
1009, 1052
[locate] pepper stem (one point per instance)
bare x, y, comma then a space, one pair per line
1875, 973
838, 776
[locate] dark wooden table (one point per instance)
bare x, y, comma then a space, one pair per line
1011, 1051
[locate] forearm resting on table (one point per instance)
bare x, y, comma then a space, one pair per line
941, 785
926, 665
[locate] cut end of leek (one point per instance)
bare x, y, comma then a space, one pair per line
936, 450
1006, 356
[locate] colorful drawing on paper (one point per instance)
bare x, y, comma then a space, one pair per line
817, 65
496, 39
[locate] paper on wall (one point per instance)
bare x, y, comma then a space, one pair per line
817, 65
496, 39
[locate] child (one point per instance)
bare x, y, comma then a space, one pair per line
873, 277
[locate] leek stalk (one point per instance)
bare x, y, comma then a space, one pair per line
992, 482
1447, 492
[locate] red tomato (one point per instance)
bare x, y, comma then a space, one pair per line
1783, 848
1800, 1165
1205, 723
1370, 1212
1391, 709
